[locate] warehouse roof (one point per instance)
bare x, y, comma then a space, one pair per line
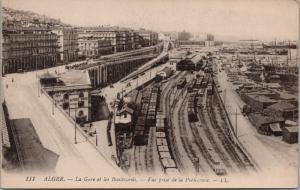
261, 98
282, 106
260, 119
48, 75
75, 78
126, 109
292, 129
196, 59
32, 154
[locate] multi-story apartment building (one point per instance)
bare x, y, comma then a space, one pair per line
27, 49
147, 37
103, 33
67, 43
122, 39
94, 47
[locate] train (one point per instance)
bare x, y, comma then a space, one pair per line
165, 156
192, 111
191, 86
181, 83
146, 115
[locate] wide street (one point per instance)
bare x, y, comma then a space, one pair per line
55, 130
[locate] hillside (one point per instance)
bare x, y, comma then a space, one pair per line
12, 17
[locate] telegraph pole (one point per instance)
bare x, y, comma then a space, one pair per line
236, 122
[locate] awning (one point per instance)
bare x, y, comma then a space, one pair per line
275, 127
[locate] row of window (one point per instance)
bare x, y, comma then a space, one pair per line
31, 44
28, 52
21, 38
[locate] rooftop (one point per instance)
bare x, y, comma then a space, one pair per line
75, 78
261, 119
48, 75
32, 154
282, 106
292, 129
261, 98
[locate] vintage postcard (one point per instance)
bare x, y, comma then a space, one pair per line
138, 93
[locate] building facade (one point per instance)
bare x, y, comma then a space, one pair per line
72, 93
26, 49
147, 38
67, 43
94, 47
107, 33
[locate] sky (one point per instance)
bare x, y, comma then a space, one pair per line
244, 19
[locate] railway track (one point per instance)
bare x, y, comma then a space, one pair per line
168, 111
184, 135
206, 124
173, 144
139, 159
227, 143
149, 157
239, 151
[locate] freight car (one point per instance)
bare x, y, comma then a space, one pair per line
198, 83
139, 139
160, 122
201, 92
172, 172
204, 82
181, 83
191, 86
192, 115
209, 90
192, 112
168, 163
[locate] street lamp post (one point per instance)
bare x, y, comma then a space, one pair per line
38, 87
236, 123
96, 138
75, 130
53, 100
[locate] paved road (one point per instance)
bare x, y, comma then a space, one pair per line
265, 150
55, 131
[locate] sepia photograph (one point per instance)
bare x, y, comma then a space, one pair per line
149, 94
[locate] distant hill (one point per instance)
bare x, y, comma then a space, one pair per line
12, 17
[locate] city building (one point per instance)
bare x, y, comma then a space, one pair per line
72, 93
67, 43
124, 117
147, 37
266, 125
26, 49
190, 63
184, 36
94, 47
282, 109
122, 39
290, 134
209, 40
257, 102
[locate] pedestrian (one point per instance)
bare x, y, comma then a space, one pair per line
6, 85
12, 80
